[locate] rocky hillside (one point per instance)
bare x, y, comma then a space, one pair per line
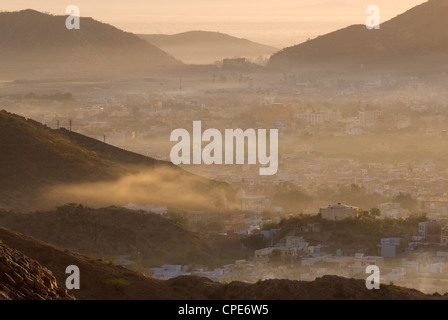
112, 232
99, 280
22, 278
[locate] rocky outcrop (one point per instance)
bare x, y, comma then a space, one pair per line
22, 278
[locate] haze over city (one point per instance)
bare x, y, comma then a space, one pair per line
134, 147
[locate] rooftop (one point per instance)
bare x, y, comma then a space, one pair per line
339, 206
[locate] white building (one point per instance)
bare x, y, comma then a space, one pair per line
168, 271
361, 262
161, 210
253, 203
437, 267
338, 212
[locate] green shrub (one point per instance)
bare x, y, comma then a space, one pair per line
118, 284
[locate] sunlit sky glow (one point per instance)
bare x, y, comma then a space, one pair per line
276, 22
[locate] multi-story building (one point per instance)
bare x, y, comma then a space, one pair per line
338, 212
444, 235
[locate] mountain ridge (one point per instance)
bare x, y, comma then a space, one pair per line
197, 46
416, 38
37, 42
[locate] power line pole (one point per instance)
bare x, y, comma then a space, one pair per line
70, 125
242, 188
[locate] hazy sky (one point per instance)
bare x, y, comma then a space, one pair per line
277, 22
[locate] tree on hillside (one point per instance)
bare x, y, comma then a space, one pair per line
216, 226
290, 197
254, 242
179, 218
270, 226
406, 201
375, 212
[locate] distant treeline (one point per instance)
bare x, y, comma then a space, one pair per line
54, 97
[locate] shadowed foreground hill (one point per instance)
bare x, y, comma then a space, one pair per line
42, 167
101, 281
97, 278
414, 40
35, 43
111, 232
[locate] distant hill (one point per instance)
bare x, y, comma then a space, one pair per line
36, 43
42, 167
103, 281
414, 40
204, 47
112, 232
